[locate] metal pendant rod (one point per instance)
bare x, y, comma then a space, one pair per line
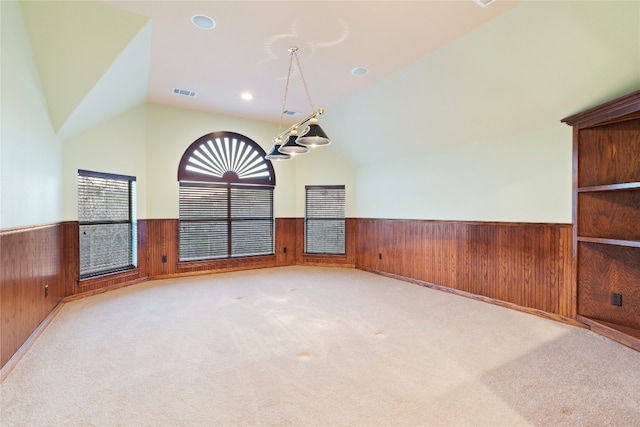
306, 119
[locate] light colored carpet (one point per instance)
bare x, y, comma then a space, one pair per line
310, 346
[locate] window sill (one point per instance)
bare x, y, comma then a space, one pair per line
126, 274
221, 263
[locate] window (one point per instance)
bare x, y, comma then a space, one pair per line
108, 226
324, 222
226, 199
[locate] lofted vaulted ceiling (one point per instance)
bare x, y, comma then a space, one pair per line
97, 59
464, 75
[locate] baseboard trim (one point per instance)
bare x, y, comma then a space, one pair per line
86, 294
510, 305
17, 356
626, 336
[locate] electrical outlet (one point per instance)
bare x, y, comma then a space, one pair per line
616, 299
284, 250
164, 259
379, 256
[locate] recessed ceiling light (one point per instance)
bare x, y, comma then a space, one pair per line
247, 96
359, 71
203, 22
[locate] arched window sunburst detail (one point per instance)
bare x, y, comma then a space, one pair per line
226, 157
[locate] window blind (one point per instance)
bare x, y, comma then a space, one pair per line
222, 221
108, 228
324, 220
252, 221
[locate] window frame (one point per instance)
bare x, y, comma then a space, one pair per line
131, 221
229, 220
220, 155
308, 221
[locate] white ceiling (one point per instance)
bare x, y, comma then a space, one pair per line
247, 51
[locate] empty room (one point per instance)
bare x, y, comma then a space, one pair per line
320, 213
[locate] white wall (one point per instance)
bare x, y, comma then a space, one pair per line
30, 152
473, 132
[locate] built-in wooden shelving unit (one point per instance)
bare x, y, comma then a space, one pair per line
606, 218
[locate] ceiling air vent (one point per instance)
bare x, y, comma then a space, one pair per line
484, 3
291, 113
184, 92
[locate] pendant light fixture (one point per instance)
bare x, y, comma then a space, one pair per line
291, 146
275, 153
312, 136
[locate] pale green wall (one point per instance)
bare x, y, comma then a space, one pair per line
170, 131
149, 141
75, 43
116, 146
528, 180
30, 152
324, 166
473, 132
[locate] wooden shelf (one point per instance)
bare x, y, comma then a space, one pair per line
610, 187
619, 333
606, 217
629, 243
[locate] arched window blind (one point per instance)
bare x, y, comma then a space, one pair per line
226, 199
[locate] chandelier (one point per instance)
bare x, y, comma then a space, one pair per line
311, 136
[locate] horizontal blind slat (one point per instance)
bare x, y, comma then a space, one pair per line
106, 212
325, 220
209, 212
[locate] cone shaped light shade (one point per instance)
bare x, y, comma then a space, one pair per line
275, 153
313, 135
291, 147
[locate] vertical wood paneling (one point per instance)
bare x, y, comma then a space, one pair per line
285, 241
29, 260
71, 256
162, 235
524, 264
143, 241
162, 241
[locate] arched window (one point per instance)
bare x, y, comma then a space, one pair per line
226, 198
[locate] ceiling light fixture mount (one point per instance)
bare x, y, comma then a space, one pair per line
312, 136
484, 3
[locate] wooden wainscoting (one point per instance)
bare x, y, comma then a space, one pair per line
528, 265
71, 269
163, 254
30, 260
164, 259
162, 247
286, 241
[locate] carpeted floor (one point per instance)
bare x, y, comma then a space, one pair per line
310, 346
